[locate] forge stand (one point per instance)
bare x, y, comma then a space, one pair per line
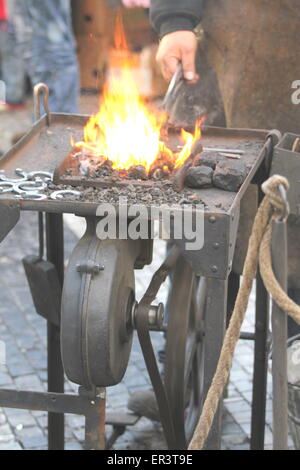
215, 300
96, 314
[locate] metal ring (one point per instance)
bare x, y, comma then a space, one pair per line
275, 136
41, 174
8, 185
20, 172
64, 192
31, 195
29, 187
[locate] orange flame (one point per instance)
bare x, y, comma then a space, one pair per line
189, 140
124, 130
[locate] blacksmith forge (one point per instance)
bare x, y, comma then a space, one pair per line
90, 307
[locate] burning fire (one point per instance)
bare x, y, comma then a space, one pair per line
125, 131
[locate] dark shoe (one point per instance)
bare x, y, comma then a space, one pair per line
143, 403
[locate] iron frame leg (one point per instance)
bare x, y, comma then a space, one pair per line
95, 419
55, 254
215, 326
233, 289
261, 353
279, 340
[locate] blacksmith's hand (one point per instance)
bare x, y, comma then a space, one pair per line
176, 47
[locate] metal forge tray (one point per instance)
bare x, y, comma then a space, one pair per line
48, 143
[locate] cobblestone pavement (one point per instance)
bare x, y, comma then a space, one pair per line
24, 334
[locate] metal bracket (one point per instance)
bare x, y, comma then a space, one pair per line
9, 216
286, 162
272, 139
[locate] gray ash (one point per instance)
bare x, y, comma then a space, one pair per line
161, 193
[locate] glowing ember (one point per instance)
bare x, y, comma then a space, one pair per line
125, 131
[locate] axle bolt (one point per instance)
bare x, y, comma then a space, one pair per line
155, 316
89, 267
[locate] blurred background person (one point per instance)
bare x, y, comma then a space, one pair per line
45, 37
12, 65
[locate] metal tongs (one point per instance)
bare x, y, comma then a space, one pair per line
176, 79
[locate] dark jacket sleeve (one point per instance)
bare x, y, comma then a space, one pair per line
168, 16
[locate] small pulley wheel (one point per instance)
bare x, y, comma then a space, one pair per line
97, 301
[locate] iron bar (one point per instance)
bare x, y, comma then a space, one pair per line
233, 289
41, 234
42, 401
247, 335
95, 422
261, 345
279, 336
261, 350
55, 254
215, 325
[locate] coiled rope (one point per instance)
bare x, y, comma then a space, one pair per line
259, 251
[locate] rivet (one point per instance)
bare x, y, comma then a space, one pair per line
216, 245
214, 268
92, 402
212, 219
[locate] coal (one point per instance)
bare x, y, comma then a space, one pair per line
105, 169
210, 159
159, 174
199, 177
137, 172
229, 175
